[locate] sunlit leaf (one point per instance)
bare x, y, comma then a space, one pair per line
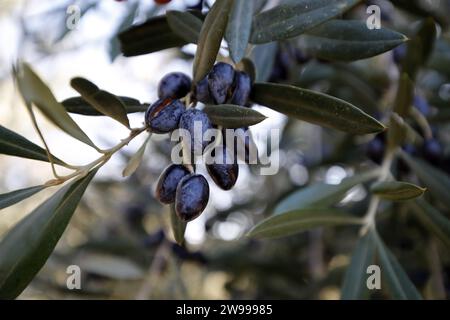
11, 198
315, 107
239, 28
397, 191
232, 116
135, 160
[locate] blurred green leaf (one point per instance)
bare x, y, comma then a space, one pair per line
185, 25
400, 287
127, 21
101, 100
11, 198
315, 107
263, 56
355, 280
405, 95
27, 246
135, 160
436, 181
321, 194
232, 116
35, 91
397, 191
239, 28
80, 106
14, 144
293, 222
211, 36
349, 40
432, 219
290, 20
178, 226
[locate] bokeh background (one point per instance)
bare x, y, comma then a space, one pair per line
116, 235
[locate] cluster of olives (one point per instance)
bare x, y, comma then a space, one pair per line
179, 183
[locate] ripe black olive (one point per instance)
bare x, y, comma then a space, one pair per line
174, 85
192, 196
164, 115
168, 182
220, 81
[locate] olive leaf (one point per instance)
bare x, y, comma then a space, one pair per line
14, 144
135, 160
101, 100
400, 287
432, 219
35, 91
232, 116
78, 105
354, 286
211, 36
151, 36
263, 56
27, 246
405, 95
290, 20
397, 191
315, 107
239, 28
436, 181
349, 40
293, 222
185, 25
321, 194
178, 226
127, 22
248, 67
13, 197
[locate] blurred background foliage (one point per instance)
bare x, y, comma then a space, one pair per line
120, 235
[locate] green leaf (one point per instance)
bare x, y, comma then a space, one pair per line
14, 144
249, 67
178, 226
355, 280
186, 25
405, 95
232, 116
78, 105
321, 194
432, 219
400, 287
315, 107
263, 57
35, 91
11, 198
127, 22
211, 36
397, 191
151, 36
101, 100
239, 28
135, 160
293, 222
436, 181
349, 40
27, 246
290, 20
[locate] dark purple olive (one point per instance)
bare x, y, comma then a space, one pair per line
168, 182
225, 170
192, 197
196, 122
154, 239
375, 149
220, 81
241, 89
399, 53
201, 92
422, 105
175, 85
432, 151
164, 115
241, 143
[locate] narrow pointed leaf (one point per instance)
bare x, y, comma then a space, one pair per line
101, 100
35, 91
432, 219
399, 285
135, 160
211, 36
27, 246
349, 40
322, 195
186, 25
232, 116
239, 28
78, 105
293, 222
355, 280
178, 226
315, 107
436, 181
397, 191
14, 144
11, 198
263, 57
290, 20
